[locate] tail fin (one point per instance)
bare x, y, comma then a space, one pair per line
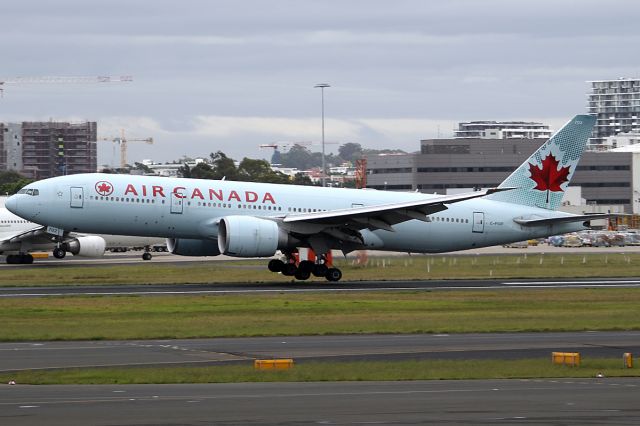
542, 179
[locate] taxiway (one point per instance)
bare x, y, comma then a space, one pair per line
178, 352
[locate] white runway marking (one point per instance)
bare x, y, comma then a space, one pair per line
498, 285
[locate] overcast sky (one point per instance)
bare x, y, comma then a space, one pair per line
230, 75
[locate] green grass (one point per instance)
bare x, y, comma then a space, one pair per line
131, 317
391, 268
330, 371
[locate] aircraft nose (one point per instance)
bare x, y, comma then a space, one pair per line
11, 204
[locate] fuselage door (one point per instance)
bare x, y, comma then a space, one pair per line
77, 197
176, 203
478, 222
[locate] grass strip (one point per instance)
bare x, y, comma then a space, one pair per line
329, 371
134, 317
375, 268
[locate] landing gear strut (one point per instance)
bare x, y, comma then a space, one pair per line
304, 269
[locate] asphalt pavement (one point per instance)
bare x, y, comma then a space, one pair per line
461, 402
391, 347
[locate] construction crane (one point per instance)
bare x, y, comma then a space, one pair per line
62, 80
288, 144
123, 141
361, 173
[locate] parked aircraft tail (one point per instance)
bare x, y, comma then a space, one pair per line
542, 179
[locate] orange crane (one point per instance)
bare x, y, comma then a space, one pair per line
123, 141
62, 80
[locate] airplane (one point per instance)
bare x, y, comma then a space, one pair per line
246, 219
19, 237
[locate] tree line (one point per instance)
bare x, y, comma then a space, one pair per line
248, 170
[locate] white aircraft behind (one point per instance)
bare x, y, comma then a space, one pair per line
245, 219
19, 237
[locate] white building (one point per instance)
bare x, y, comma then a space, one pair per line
616, 103
502, 130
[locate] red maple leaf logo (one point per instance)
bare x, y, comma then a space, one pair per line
549, 177
104, 188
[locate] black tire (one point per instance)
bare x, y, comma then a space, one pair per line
59, 253
275, 265
289, 269
302, 274
333, 274
12, 259
306, 265
146, 256
320, 270
26, 259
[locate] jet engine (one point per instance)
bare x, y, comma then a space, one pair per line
91, 246
188, 247
248, 236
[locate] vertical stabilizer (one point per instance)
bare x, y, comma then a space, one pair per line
542, 179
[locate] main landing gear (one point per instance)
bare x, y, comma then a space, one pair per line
304, 269
14, 259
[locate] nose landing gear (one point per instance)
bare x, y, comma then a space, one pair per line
147, 253
59, 253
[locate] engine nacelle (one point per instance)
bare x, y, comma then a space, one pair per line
248, 236
91, 246
188, 247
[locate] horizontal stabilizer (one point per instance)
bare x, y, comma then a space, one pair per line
565, 219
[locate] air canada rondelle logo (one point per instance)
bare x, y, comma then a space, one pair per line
104, 188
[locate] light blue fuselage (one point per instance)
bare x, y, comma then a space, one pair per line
153, 206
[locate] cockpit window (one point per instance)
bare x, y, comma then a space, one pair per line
30, 191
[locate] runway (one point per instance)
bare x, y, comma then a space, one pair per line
311, 286
490, 402
50, 355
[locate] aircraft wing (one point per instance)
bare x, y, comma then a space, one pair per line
382, 216
35, 235
565, 219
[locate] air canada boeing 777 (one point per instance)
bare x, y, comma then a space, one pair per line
245, 219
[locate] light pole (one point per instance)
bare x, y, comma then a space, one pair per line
324, 167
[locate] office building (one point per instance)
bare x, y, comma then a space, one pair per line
616, 103
501, 130
605, 178
42, 150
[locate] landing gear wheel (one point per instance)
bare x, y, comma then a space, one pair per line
19, 259
306, 265
59, 253
320, 270
333, 274
275, 265
289, 269
146, 256
302, 274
